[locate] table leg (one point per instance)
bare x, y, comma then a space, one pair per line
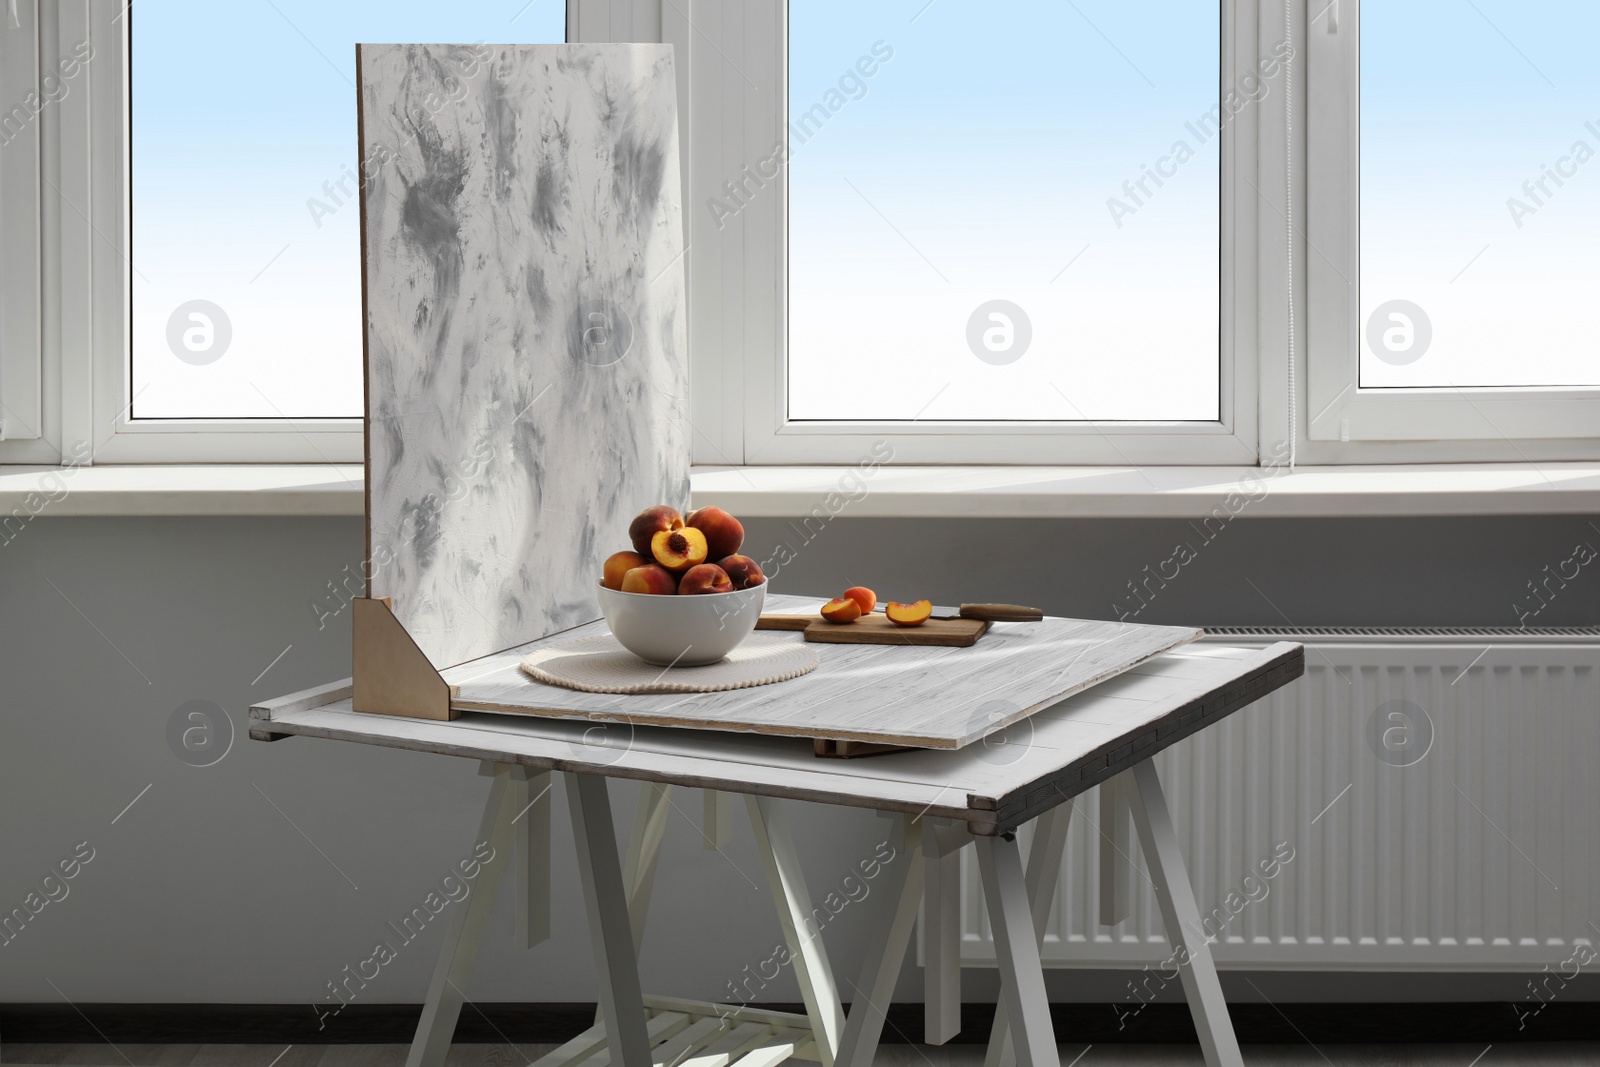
462, 937
610, 931
1016, 946
941, 937
1044, 871
787, 882
644, 848
886, 948
1116, 849
530, 827
1181, 916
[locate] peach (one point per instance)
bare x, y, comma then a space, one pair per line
678, 550
863, 596
744, 571
648, 523
618, 564
651, 578
705, 578
913, 614
841, 609
724, 533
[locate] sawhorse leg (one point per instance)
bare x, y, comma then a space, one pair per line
886, 947
611, 935
1181, 916
1044, 872
463, 935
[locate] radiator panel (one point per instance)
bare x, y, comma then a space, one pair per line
1479, 855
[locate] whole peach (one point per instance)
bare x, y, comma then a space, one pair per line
705, 578
649, 522
724, 534
743, 571
651, 578
618, 564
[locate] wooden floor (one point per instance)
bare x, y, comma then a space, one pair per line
1531, 1054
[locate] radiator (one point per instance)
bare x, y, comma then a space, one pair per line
1436, 794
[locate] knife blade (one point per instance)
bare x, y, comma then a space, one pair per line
986, 612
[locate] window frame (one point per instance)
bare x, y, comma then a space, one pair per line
738, 278
25, 431
1343, 422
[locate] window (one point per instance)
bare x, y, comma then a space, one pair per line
246, 241
983, 233
25, 93
974, 247
1451, 228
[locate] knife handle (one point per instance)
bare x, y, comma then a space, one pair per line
1001, 612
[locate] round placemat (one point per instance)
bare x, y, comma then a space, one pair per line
601, 665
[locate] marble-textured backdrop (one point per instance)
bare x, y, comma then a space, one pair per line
527, 364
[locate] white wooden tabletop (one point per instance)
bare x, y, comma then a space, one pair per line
916, 695
994, 785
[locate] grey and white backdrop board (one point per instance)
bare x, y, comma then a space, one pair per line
526, 355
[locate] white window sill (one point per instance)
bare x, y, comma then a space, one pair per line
307, 489
1153, 492
910, 492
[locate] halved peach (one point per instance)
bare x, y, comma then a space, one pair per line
649, 522
913, 614
618, 564
678, 550
651, 578
841, 609
704, 578
863, 596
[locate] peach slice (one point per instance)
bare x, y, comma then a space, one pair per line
744, 571
651, 578
705, 578
863, 596
841, 609
678, 550
618, 564
724, 533
913, 614
648, 523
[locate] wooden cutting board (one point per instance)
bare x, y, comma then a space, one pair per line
876, 629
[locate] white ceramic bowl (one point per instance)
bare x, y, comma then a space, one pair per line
682, 631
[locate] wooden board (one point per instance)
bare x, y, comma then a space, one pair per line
526, 359
920, 696
1051, 757
878, 630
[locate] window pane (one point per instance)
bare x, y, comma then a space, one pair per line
246, 285
1480, 196
1003, 211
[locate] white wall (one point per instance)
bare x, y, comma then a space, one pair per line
203, 892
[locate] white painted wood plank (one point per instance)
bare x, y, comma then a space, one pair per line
698, 1033
716, 819
1116, 850
315, 697
915, 695
935, 782
658, 1029
720, 1053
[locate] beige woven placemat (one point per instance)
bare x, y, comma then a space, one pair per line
601, 665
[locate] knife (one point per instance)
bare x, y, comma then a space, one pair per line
984, 612
989, 613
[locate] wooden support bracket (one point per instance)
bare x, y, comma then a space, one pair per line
391, 674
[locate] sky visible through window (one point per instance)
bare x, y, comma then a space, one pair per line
1006, 211
246, 288
1480, 194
